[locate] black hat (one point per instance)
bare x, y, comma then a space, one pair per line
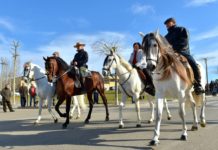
169, 20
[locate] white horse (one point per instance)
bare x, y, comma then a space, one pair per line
46, 91
130, 85
171, 78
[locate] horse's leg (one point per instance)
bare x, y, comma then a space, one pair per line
193, 106
182, 116
89, 95
151, 102
122, 103
74, 107
202, 115
60, 101
40, 111
137, 108
68, 103
159, 111
167, 109
50, 100
104, 99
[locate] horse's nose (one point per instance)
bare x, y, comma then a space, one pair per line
151, 67
104, 72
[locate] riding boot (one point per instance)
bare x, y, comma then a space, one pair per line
82, 81
197, 85
149, 86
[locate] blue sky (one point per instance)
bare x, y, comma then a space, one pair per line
44, 26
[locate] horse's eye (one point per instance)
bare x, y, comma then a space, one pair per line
155, 45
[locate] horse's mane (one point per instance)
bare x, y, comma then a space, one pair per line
125, 64
62, 62
169, 58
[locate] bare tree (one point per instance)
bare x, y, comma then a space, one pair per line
105, 47
3, 71
15, 45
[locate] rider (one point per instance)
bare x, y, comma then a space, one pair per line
138, 61
178, 37
80, 60
56, 54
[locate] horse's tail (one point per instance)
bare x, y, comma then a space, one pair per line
81, 101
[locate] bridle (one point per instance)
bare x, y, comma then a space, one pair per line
28, 75
108, 68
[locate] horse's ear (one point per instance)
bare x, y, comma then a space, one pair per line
44, 58
157, 32
142, 34
112, 52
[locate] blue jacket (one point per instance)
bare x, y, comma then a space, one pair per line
178, 37
81, 58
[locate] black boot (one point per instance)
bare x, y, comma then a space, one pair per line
83, 89
149, 86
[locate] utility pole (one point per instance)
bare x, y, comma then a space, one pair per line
3, 64
205, 59
15, 45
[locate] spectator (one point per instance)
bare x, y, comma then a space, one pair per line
6, 96
95, 93
23, 94
32, 93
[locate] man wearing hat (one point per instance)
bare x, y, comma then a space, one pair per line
80, 60
56, 54
178, 37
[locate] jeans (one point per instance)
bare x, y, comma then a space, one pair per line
23, 101
34, 100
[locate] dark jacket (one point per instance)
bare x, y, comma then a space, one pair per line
23, 91
81, 58
178, 37
6, 94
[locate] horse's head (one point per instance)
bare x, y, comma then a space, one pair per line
51, 68
151, 48
110, 62
28, 71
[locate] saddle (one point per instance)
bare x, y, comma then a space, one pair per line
141, 74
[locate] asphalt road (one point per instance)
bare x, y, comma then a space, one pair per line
17, 130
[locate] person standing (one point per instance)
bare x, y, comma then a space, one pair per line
23, 94
6, 97
95, 95
138, 61
32, 93
178, 37
80, 60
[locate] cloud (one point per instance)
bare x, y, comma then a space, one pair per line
64, 44
197, 3
206, 35
142, 9
6, 24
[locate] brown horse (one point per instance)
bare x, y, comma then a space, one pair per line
57, 69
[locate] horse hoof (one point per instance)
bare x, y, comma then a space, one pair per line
203, 124
138, 126
183, 138
153, 143
169, 118
86, 122
56, 121
121, 126
194, 128
107, 119
149, 121
64, 126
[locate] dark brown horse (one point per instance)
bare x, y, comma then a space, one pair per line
57, 69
